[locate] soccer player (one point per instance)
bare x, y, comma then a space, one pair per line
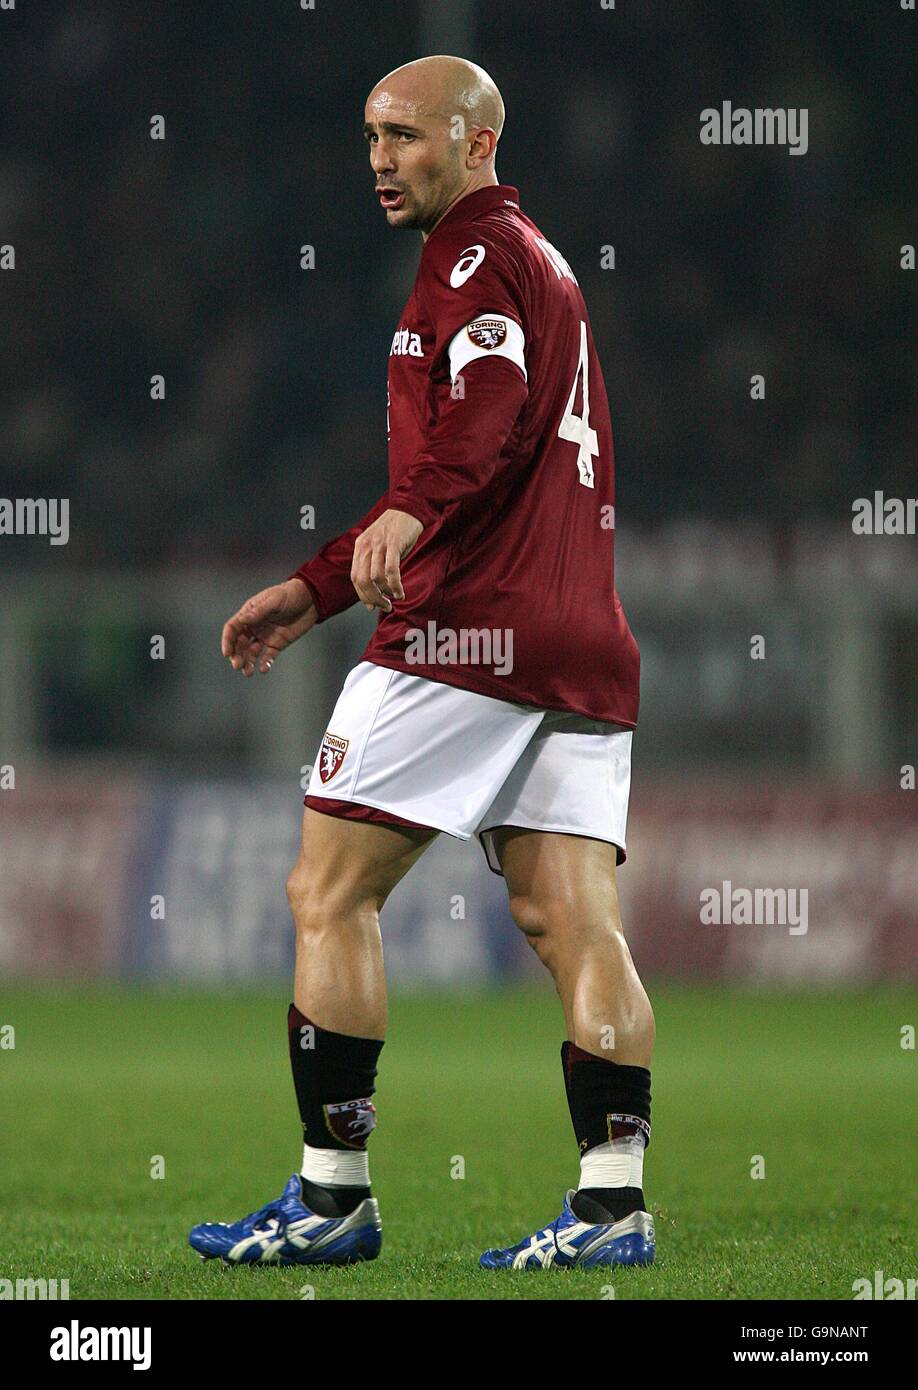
496, 698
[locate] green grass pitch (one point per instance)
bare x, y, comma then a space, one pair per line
102, 1080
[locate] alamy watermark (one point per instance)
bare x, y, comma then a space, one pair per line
884, 516
36, 516
729, 906
82, 1343
27, 1290
881, 1287
738, 125
465, 646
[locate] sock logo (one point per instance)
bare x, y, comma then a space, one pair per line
351, 1121
620, 1126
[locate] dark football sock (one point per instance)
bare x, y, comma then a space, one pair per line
334, 1077
331, 1201
600, 1205
607, 1100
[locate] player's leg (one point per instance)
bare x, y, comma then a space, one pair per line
343, 875
563, 897
402, 747
336, 1026
430, 757
344, 872
556, 830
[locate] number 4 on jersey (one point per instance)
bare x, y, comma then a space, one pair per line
576, 428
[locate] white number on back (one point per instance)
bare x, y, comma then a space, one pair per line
576, 428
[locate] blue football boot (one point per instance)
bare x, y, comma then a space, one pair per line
569, 1241
286, 1232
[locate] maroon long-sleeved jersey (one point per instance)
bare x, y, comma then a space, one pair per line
500, 443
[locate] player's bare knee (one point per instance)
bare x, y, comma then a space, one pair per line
529, 916
310, 905
562, 918
301, 895
319, 906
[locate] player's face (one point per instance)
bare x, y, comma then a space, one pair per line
414, 160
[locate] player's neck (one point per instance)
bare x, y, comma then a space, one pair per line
488, 182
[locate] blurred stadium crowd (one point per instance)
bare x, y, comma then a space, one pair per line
181, 257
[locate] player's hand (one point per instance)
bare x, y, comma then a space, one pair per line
266, 624
378, 554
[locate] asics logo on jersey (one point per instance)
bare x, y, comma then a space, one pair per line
466, 265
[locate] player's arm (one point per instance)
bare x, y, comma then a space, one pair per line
327, 576
265, 625
478, 307
462, 454
474, 297
271, 620
464, 448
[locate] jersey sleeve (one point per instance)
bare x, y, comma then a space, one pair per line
473, 294
465, 447
328, 574
473, 297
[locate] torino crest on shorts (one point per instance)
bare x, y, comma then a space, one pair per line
331, 756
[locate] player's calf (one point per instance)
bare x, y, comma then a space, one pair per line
563, 896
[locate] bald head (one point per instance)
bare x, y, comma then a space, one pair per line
446, 87
433, 127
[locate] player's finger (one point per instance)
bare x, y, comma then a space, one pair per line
357, 581
273, 641
394, 572
242, 624
267, 656
242, 648
230, 635
237, 655
380, 589
251, 658
360, 576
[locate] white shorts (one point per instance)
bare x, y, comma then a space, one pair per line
438, 756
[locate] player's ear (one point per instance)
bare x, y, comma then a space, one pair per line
484, 143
